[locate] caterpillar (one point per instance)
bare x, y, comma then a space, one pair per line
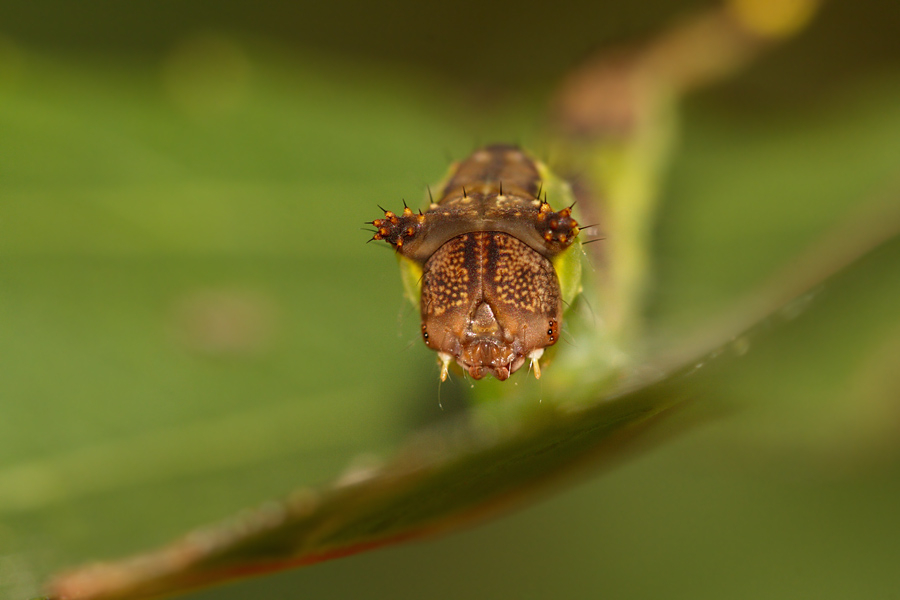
490, 265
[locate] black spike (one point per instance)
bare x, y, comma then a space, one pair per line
383, 209
430, 197
540, 189
501, 188
465, 194
404, 204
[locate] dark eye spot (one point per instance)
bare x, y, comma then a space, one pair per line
550, 332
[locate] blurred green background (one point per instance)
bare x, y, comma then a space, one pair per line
191, 323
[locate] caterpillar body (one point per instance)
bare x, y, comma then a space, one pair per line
490, 264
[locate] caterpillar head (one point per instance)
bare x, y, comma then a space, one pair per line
489, 302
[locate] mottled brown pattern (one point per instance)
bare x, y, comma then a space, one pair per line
446, 281
490, 295
488, 300
521, 278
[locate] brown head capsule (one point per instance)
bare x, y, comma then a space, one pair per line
490, 295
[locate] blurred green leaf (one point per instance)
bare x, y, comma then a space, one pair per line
130, 224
